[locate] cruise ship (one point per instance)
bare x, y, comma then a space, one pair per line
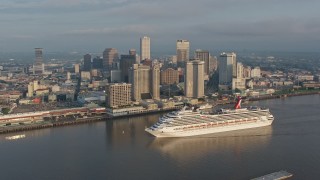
193, 122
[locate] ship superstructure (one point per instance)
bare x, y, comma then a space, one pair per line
192, 121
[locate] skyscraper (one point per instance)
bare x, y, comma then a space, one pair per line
109, 56
145, 82
126, 62
97, 63
227, 69
87, 62
145, 48
140, 80
204, 56
38, 66
194, 79
183, 47
155, 81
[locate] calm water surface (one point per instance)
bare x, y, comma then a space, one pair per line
121, 149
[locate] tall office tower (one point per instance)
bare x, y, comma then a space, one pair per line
194, 80
204, 56
77, 68
145, 48
155, 82
97, 63
227, 69
183, 47
126, 62
140, 80
169, 76
118, 95
133, 52
213, 64
110, 55
38, 66
87, 62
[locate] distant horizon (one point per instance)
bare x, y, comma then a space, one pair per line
87, 26
156, 52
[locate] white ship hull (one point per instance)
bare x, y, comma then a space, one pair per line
209, 130
194, 122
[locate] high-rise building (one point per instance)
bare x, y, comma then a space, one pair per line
110, 55
140, 80
169, 76
38, 66
118, 95
97, 63
204, 56
227, 69
194, 79
77, 68
183, 47
213, 64
145, 81
145, 48
126, 62
155, 81
87, 62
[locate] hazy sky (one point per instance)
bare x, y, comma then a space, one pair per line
92, 25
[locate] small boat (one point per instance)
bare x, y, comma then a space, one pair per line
15, 137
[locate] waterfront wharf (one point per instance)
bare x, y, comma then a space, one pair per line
74, 118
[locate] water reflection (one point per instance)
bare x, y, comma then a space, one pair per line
197, 147
128, 130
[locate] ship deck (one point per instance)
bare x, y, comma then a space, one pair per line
203, 118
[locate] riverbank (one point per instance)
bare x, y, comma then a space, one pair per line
48, 124
281, 96
83, 120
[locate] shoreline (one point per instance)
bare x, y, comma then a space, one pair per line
87, 120
282, 96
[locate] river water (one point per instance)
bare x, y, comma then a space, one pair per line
121, 149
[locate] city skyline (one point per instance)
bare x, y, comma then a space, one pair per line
80, 25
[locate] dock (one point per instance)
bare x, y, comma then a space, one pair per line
280, 175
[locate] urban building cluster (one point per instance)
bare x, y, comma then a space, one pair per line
137, 82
